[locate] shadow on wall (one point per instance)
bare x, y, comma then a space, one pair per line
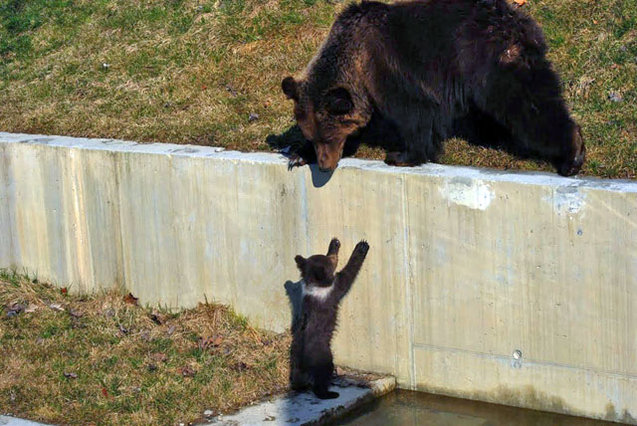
287, 143
294, 291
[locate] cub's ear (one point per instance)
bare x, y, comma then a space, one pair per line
339, 101
290, 88
300, 262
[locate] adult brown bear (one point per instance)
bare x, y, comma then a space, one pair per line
423, 71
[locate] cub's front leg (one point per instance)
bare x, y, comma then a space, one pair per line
346, 277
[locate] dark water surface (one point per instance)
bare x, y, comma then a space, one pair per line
418, 408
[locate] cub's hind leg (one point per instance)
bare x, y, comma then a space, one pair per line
322, 378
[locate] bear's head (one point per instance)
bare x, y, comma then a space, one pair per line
318, 270
327, 117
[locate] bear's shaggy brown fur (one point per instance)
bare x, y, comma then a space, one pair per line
424, 71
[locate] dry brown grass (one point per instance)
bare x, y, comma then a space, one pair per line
98, 359
193, 71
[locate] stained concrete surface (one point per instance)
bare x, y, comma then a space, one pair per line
516, 288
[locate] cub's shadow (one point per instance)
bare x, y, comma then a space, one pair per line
294, 292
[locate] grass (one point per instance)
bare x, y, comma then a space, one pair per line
193, 71
102, 360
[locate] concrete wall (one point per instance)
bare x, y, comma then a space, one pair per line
466, 266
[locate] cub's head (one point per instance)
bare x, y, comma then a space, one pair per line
318, 270
327, 117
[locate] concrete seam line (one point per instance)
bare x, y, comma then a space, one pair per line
526, 361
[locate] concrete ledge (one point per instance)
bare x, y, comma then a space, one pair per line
306, 409
14, 421
519, 288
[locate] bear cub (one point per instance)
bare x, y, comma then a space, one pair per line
415, 73
310, 352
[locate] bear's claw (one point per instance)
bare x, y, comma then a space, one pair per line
296, 161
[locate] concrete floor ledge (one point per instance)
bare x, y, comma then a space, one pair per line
14, 421
306, 409
508, 287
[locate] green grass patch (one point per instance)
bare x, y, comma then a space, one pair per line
101, 360
193, 71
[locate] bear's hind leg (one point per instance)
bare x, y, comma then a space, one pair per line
528, 103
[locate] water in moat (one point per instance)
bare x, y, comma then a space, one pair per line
418, 408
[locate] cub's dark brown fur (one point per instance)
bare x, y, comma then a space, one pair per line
424, 71
310, 353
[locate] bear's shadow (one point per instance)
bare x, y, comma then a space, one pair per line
287, 143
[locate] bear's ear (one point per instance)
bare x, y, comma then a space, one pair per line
300, 262
290, 88
339, 101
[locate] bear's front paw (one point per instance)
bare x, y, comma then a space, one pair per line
400, 159
362, 248
296, 161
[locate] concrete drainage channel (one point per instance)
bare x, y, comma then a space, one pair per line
510, 288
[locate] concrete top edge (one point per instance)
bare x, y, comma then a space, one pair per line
431, 169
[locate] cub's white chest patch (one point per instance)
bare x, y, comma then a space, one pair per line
320, 293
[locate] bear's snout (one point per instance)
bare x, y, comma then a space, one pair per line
327, 157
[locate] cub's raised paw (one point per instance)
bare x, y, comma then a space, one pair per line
296, 161
362, 248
